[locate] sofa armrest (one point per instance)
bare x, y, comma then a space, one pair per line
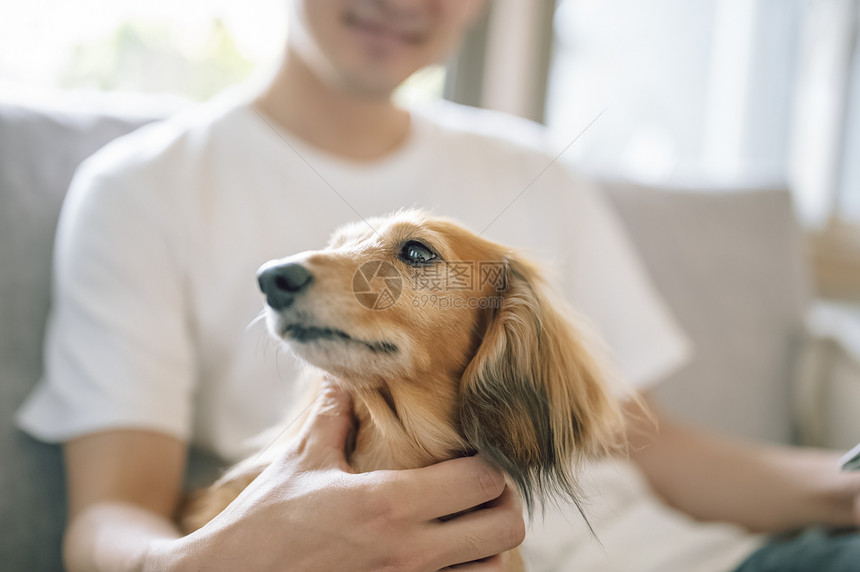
827, 392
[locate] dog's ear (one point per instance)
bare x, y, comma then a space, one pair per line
534, 399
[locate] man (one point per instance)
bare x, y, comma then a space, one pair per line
147, 350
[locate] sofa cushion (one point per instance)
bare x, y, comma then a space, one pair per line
732, 267
39, 151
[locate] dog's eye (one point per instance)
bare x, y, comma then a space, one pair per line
413, 252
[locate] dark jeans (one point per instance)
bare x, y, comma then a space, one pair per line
813, 550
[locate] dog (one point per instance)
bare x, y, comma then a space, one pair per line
449, 345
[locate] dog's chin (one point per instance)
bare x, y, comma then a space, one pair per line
331, 349
352, 365
303, 333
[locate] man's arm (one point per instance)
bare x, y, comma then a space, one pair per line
760, 486
123, 487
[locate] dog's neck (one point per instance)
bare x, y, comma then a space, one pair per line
405, 425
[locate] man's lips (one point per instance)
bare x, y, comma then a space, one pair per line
382, 31
307, 334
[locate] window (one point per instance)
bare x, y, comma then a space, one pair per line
192, 49
693, 91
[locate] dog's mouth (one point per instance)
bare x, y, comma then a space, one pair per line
309, 334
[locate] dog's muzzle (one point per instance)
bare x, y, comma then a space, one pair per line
281, 283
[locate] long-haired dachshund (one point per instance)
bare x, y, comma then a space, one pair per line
449, 345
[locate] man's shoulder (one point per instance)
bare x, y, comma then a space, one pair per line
167, 146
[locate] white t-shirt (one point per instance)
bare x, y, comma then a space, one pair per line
155, 288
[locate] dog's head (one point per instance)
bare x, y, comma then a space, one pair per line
416, 299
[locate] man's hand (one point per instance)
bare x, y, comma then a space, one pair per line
308, 511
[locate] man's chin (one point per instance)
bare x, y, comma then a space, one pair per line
367, 89
372, 81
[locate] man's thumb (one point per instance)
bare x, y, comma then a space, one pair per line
326, 430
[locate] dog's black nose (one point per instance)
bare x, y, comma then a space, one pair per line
282, 282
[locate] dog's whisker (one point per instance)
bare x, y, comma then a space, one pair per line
278, 361
264, 342
255, 321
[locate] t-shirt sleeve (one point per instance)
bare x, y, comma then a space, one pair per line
609, 285
118, 350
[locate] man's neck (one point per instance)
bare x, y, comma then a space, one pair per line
333, 120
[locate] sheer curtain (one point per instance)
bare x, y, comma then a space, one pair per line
693, 90
715, 93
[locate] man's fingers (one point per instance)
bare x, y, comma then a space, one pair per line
482, 533
325, 432
451, 487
